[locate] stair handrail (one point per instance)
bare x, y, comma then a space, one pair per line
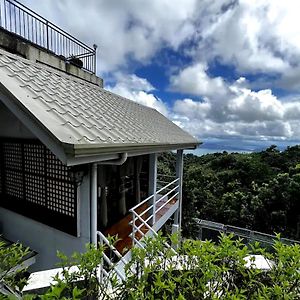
151, 229
104, 240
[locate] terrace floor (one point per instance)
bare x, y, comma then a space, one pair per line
123, 228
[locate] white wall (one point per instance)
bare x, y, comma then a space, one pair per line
44, 239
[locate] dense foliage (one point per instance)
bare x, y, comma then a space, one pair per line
12, 277
197, 270
205, 270
259, 191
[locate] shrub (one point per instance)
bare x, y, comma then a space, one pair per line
12, 278
205, 270
197, 270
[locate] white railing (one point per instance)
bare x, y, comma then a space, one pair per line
144, 216
146, 213
108, 264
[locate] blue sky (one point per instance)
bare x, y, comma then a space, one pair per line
227, 71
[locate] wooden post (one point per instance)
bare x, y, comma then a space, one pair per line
153, 182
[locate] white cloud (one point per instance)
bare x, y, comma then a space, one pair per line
254, 35
137, 89
133, 82
123, 29
257, 36
192, 109
253, 106
188, 81
240, 112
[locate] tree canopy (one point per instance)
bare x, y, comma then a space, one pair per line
259, 191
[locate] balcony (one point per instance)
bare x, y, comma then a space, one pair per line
33, 28
147, 217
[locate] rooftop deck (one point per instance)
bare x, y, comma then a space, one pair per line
18, 19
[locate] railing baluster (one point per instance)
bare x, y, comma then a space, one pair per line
24, 32
1, 13
154, 208
51, 38
133, 229
19, 22
9, 16
5, 14
28, 27
15, 17
32, 33
101, 267
47, 35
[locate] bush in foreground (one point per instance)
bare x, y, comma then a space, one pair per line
197, 270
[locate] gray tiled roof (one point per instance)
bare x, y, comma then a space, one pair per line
79, 113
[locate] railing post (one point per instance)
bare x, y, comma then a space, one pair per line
179, 174
47, 35
133, 229
153, 182
101, 264
95, 58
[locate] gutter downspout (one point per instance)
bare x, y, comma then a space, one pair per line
115, 162
94, 189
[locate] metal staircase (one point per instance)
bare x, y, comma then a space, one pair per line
147, 218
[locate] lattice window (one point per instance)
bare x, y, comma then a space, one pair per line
34, 166
35, 183
60, 189
14, 185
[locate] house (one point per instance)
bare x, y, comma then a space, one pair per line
77, 162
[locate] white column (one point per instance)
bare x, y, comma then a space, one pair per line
94, 205
153, 181
179, 174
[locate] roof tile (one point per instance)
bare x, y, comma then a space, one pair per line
78, 112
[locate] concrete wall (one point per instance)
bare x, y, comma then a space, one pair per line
44, 239
10, 126
17, 45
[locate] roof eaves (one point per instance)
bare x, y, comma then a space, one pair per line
96, 149
84, 154
32, 123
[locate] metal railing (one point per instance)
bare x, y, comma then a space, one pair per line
109, 263
146, 213
143, 218
22, 21
248, 235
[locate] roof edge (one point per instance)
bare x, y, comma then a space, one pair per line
32, 123
94, 155
96, 149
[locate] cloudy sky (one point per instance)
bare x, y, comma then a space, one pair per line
228, 72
